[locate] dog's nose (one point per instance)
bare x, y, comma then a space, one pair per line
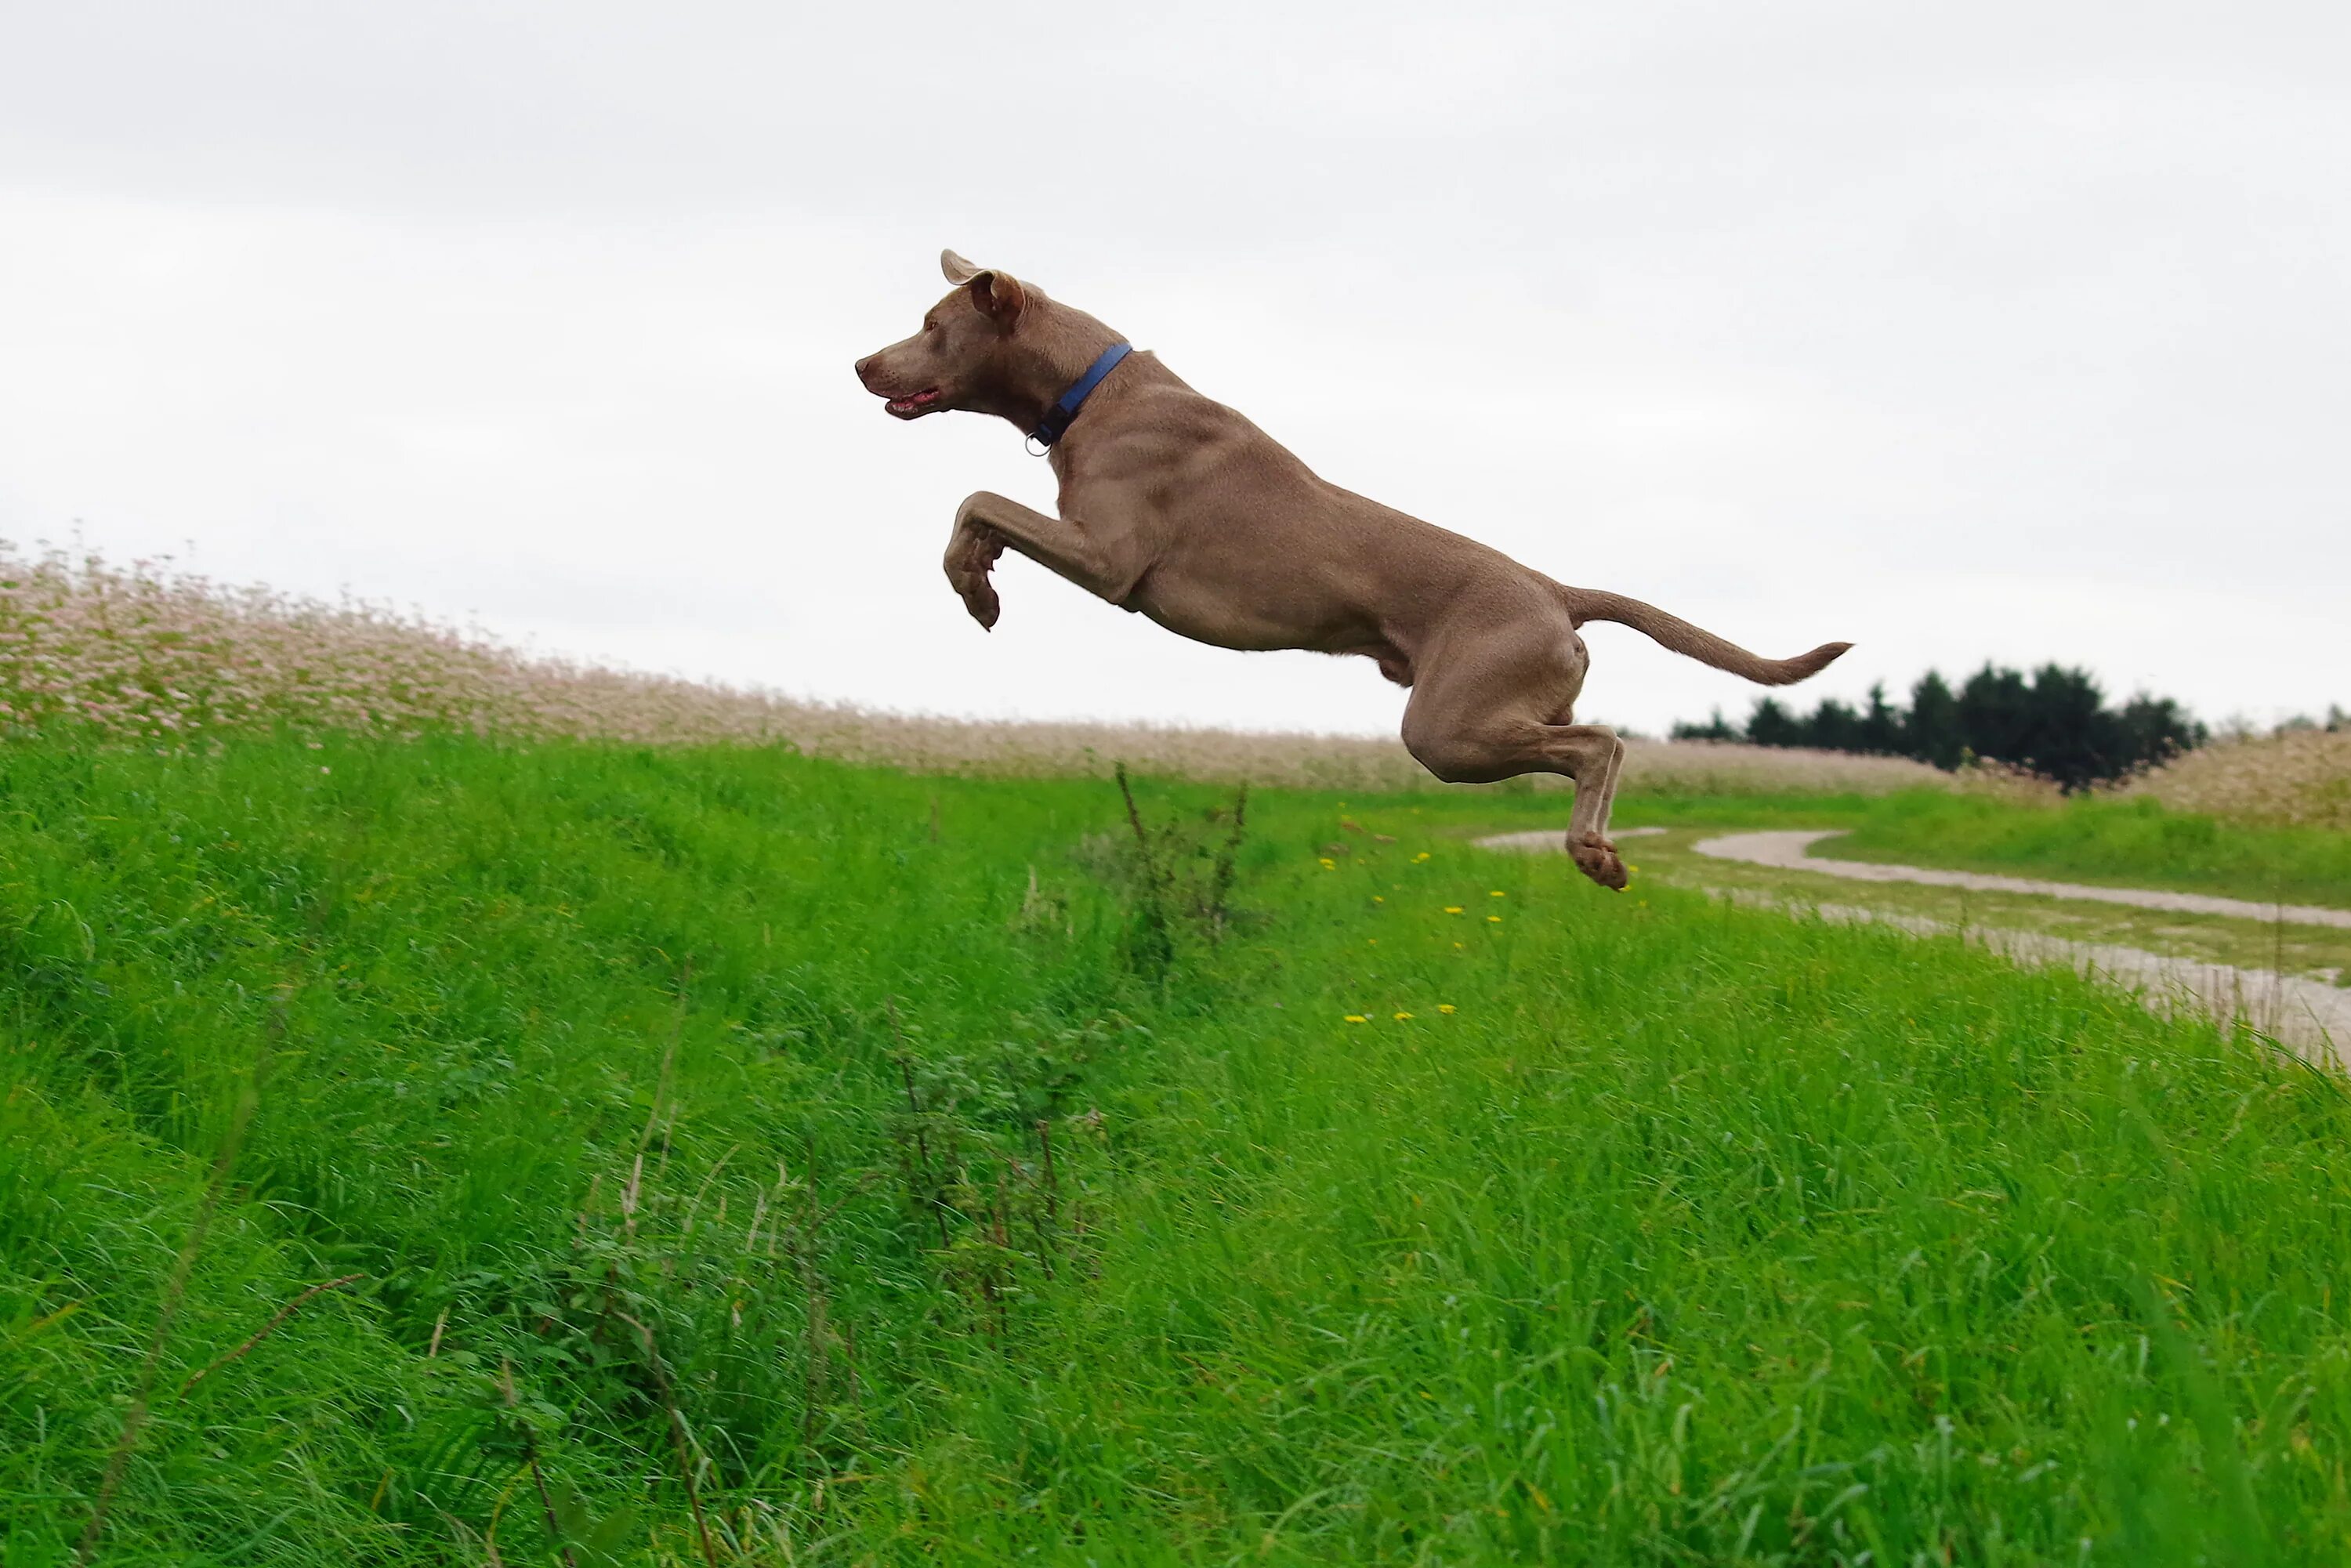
861, 364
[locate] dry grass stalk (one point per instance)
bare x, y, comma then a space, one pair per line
530, 1460
266, 1329
176, 1285
679, 1439
932, 1187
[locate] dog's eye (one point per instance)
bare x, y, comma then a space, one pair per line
931, 326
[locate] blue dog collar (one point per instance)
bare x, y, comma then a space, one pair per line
1057, 418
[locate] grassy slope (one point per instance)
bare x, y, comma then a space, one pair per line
2122, 843
482, 952
1687, 1234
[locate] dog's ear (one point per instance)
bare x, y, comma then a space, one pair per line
998, 295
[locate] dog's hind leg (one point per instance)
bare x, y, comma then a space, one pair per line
1501, 711
1587, 840
1589, 754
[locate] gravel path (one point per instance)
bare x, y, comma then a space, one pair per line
2309, 1016
1788, 852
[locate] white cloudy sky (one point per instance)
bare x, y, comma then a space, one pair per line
1969, 331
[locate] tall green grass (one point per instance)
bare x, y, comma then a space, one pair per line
1683, 1237
582, 1058
2127, 843
889, 1170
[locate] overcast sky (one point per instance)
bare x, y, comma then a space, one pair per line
1966, 332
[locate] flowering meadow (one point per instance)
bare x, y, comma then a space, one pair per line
146, 653
2297, 778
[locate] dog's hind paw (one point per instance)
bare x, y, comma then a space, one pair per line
1597, 858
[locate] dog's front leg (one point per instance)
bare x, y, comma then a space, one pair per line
972, 552
987, 523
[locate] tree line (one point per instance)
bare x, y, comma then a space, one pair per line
2055, 722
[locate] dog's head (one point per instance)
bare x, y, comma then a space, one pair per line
962, 357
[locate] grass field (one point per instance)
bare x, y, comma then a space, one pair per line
2129, 842
720, 1154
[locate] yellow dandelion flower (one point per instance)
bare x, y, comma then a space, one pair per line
1452, 909
1329, 864
1456, 945
1403, 1018
1418, 857
1357, 1018
1493, 920
1497, 892
1379, 898
1629, 866
1445, 1007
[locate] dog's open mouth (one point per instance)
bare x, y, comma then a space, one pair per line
918, 402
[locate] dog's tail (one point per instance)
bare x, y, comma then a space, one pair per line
1672, 632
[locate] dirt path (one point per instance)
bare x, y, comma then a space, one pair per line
2309, 1016
1788, 852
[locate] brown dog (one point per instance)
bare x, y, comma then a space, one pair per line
1180, 508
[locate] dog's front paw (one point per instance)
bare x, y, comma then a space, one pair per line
1597, 858
971, 558
979, 598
